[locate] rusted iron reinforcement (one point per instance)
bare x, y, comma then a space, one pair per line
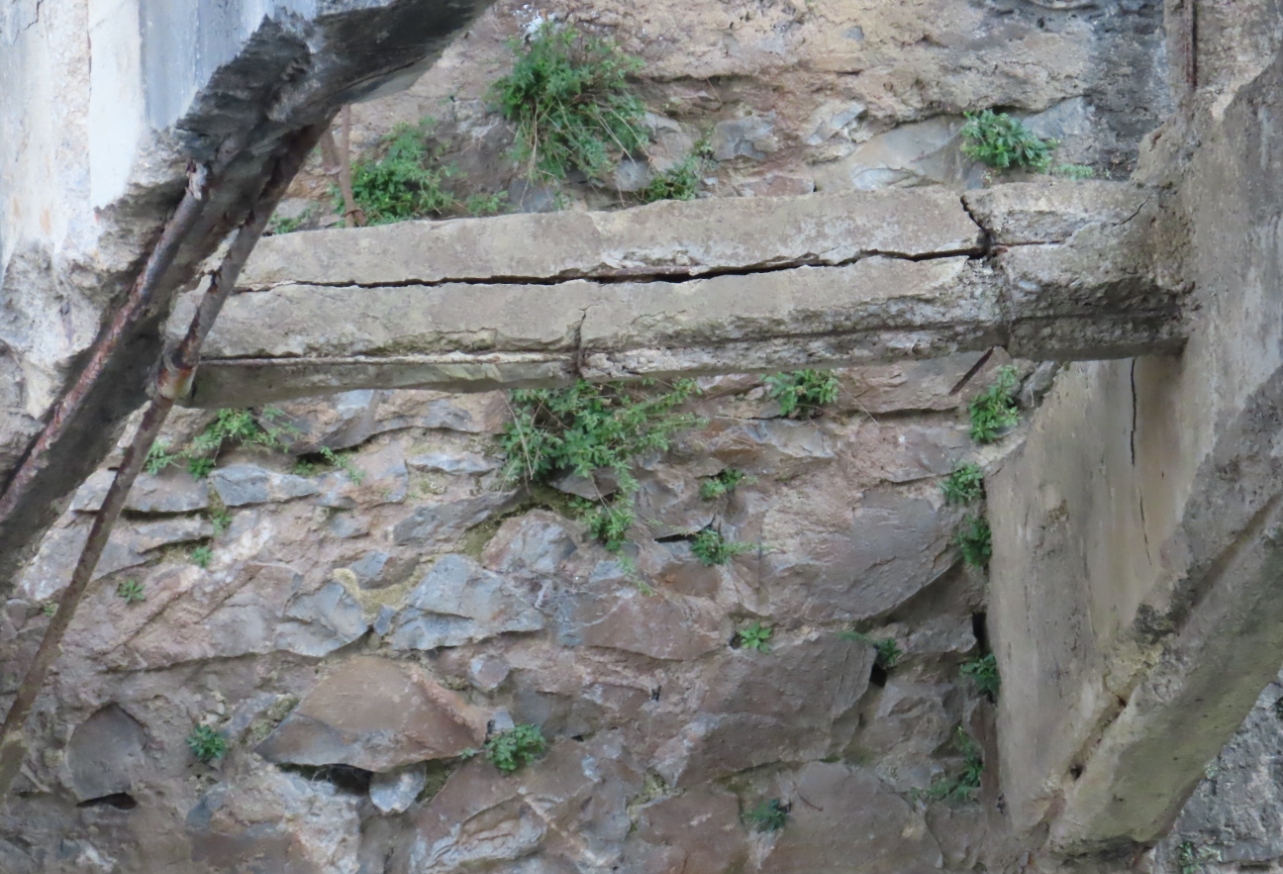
173, 379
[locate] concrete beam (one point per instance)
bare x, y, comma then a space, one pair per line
744, 285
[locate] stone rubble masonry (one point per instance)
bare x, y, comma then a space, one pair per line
696, 288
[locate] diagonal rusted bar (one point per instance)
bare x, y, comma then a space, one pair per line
172, 381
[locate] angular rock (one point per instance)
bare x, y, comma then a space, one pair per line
536, 542
169, 492
459, 602
317, 623
670, 504
381, 478
376, 714
757, 708
239, 485
105, 755
441, 524
471, 414
395, 791
268, 820
777, 447
846, 819
338, 421
660, 626
445, 462
750, 137
699, 830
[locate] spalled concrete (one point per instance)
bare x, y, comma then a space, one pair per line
707, 287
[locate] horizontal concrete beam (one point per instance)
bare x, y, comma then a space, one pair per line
1084, 292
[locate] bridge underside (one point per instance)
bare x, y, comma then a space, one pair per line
1050, 271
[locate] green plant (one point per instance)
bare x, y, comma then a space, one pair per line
888, 652
1073, 171
404, 183
486, 204
221, 519
201, 556
754, 636
206, 744
158, 458
975, 540
50, 608
963, 785
131, 591
1001, 141
983, 671
517, 746
711, 548
965, 484
233, 426
994, 409
587, 428
1191, 858
803, 392
569, 96
281, 225
725, 481
683, 180
769, 816
201, 466
343, 463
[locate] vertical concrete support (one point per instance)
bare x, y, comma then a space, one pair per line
1137, 580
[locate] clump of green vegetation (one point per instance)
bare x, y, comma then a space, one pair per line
888, 652
327, 459
221, 519
754, 636
965, 484
769, 816
683, 180
983, 671
229, 426
206, 744
131, 592
485, 204
1073, 171
50, 608
282, 225
725, 481
404, 183
201, 555
962, 786
975, 540
590, 427
802, 393
159, 458
994, 410
1190, 858
1003, 142
711, 548
572, 103
518, 746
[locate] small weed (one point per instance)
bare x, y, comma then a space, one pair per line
888, 651
963, 786
590, 427
682, 181
221, 519
50, 608
201, 556
1073, 171
754, 636
1191, 858
158, 458
711, 548
570, 98
282, 225
975, 540
236, 427
802, 393
769, 816
517, 746
486, 204
994, 409
206, 744
201, 467
1001, 141
965, 484
404, 183
131, 591
726, 481
983, 671
343, 463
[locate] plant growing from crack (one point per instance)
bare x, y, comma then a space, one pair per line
965, 484
202, 555
722, 483
887, 651
803, 393
983, 671
994, 410
711, 548
206, 744
1191, 858
588, 428
1003, 142
518, 746
769, 816
754, 636
131, 592
683, 180
975, 540
963, 785
572, 103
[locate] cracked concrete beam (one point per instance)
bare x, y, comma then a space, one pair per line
688, 238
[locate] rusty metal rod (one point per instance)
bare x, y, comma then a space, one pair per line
174, 378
